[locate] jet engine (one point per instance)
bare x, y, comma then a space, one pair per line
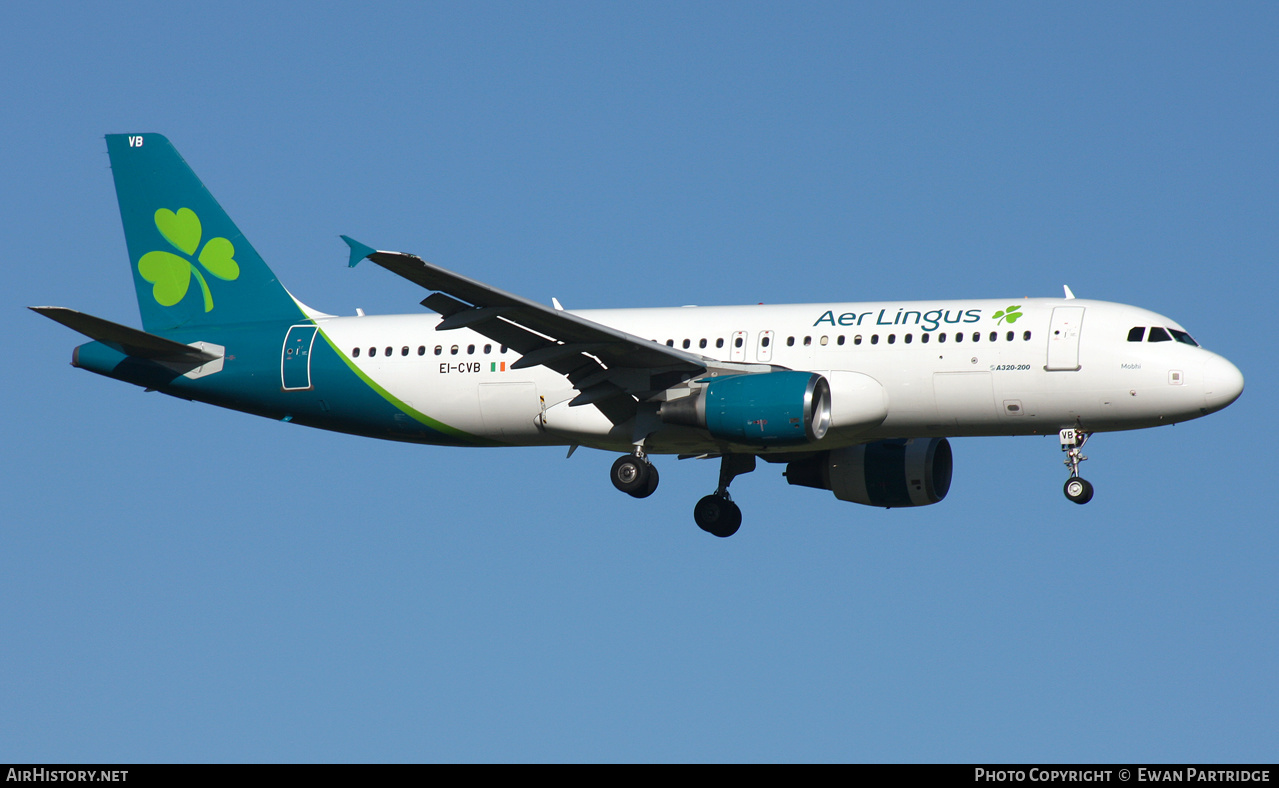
888, 473
768, 408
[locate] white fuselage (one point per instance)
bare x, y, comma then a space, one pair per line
942, 368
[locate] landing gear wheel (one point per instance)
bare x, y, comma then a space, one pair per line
1078, 490
651, 486
630, 474
718, 516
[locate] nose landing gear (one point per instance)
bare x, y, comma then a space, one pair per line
1077, 489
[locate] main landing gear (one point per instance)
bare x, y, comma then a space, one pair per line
1077, 489
716, 514
634, 475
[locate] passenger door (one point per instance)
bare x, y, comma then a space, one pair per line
1063, 339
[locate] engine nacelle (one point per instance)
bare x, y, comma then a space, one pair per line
888, 473
767, 409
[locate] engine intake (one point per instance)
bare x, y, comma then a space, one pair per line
888, 473
769, 408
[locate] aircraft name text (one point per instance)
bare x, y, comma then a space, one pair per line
928, 321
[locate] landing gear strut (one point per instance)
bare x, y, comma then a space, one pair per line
634, 475
716, 514
1077, 489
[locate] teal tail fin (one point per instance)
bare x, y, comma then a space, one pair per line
191, 265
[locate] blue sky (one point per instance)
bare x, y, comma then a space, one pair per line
181, 583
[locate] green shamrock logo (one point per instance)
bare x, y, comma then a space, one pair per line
171, 274
1010, 314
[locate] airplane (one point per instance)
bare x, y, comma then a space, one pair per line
855, 398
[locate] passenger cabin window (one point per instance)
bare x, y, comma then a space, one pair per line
874, 339
1010, 336
910, 338
840, 340
421, 350
404, 351
737, 342
1158, 334
1026, 336
923, 338
719, 343
1136, 334
439, 349
857, 340
355, 353
790, 341
702, 344
892, 338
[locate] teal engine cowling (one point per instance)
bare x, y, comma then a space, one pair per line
888, 473
764, 409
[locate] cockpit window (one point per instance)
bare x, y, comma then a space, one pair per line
1183, 337
1136, 334
1158, 334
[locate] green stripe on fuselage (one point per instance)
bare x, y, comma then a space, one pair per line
460, 436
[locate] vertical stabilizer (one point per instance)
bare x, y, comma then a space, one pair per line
191, 265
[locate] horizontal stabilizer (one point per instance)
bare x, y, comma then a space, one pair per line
127, 340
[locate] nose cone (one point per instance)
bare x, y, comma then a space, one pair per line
1223, 383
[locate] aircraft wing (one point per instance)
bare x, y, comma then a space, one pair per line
610, 368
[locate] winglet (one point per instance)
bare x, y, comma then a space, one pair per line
358, 250
1069, 295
